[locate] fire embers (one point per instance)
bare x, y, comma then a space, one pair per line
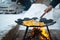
38, 34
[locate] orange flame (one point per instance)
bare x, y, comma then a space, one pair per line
44, 32
35, 23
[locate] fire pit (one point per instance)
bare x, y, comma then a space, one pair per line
38, 32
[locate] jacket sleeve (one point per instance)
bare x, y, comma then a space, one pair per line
54, 3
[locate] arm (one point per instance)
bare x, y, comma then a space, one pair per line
52, 5
49, 8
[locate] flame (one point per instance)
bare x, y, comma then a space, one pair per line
44, 32
35, 23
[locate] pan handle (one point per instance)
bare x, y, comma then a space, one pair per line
42, 15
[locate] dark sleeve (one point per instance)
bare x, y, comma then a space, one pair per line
54, 3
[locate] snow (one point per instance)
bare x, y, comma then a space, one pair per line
36, 10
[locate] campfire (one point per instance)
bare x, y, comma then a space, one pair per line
39, 32
40, 29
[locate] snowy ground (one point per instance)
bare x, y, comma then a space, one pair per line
7, 20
